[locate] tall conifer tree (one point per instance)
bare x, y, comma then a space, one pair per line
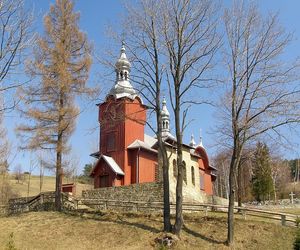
61, 63
262, 184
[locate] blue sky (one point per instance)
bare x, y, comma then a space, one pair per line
95, 16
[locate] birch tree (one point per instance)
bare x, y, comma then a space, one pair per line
260, 92
60, 65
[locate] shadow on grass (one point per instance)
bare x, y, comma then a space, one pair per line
201, 236
138, 225
119, 220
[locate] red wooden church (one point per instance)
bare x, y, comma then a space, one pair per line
126, 154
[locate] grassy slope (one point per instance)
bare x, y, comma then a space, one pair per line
51, 230
48, 185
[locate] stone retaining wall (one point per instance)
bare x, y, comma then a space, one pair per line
41, 202
117, 198
148, 192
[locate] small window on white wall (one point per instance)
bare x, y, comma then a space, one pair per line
193, 175
174, 168
184, 171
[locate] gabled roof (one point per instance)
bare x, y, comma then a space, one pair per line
150, 140
95, 154
213, 167
110, 162
192, 152
170, 140
141, 144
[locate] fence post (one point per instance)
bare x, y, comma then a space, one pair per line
206, 210
244, 214
283, 219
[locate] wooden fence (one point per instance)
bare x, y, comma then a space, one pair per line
45, 201
191, 207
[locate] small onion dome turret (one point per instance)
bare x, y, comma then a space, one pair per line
123, 87
164, 111
192, 142
122, 62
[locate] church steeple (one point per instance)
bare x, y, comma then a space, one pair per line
200, 142
123, 87
192, 142
165, 119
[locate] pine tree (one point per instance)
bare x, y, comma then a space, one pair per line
262, 184
61, 64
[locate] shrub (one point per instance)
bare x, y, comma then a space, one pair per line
297, 241
297, 221
11, 242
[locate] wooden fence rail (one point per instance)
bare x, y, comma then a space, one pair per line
193, 207
71, 203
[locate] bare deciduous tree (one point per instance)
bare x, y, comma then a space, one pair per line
16, 36
191, 40
260, 95
61, 65
143, 37
18, 172
222, 162
70, 166
31, 167
174, 42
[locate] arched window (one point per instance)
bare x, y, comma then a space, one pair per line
184, 172
163, 124
193, 175
175, 168
126, 75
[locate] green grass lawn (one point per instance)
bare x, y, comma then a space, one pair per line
52, 230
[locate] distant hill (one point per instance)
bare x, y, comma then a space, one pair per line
48, 185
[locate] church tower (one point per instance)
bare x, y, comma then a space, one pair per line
122, 119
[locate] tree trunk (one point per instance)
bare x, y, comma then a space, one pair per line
230, 218
275, 195
179, 198
166, 185
59, 148
28, 186
41, 176
58, 181
239, 185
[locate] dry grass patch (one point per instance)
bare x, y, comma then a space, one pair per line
51, 230
295, 210
48, 185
